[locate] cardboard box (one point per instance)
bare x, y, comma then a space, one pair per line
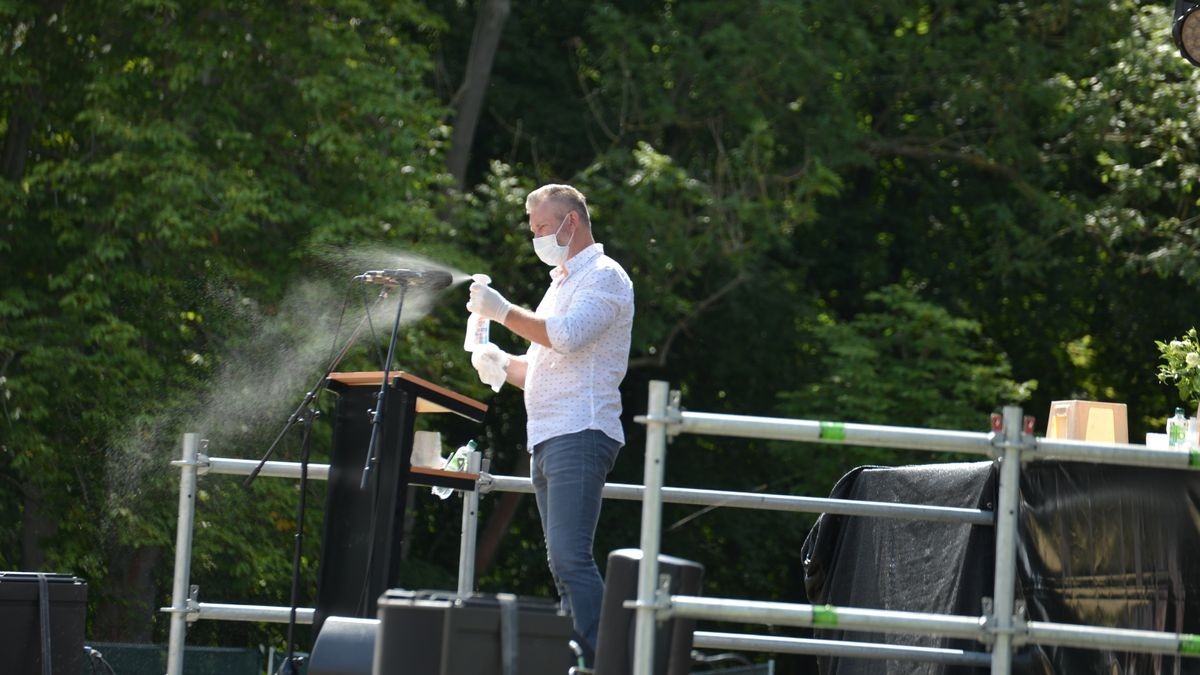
1093, 421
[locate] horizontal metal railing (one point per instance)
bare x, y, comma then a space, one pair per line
842, 648
768, 502
1002, 630
813, 431
205, 465
1011, 441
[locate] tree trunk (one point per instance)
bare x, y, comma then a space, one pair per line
37, 525
468, 101
127, 613
42, 41
15, 148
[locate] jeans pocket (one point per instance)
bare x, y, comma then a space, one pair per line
605, 452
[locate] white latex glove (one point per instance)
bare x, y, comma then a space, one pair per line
488, 303
491, 363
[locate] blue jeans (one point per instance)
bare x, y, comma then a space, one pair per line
568, 475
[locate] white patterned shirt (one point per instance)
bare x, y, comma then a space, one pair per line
573, 385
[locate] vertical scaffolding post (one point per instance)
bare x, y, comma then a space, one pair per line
183, 553
656, 455
1011, 439
470, 524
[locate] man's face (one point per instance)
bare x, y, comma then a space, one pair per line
544, 219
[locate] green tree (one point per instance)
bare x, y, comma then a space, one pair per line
778, 177
181, 163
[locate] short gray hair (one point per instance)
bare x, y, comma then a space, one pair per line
564, 196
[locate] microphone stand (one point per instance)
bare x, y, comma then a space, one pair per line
381, 397
292, 663
305, 413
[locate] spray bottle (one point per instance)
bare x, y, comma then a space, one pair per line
478, 327
456, 462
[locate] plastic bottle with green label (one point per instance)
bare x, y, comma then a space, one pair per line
1176, 429
455, 462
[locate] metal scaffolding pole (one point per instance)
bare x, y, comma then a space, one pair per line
1113, 453
470, 521
826, 616
183, 553
244, 467
1002, 627
254, 613
771, 502
1115, 639
912, 438
841, 648
1012, 440
656, 455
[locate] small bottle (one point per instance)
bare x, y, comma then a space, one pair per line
478, 327
455, 462
1176, 429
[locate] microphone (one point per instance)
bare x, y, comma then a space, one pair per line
434, 280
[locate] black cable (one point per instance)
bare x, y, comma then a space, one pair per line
378, 420
371, 326
44, 613
365, 589
371, 525
94, 655
338, 328
699, 657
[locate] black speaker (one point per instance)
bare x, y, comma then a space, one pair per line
345, 646
43, 617
673, 639
441, 633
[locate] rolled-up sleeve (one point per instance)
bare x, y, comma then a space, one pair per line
591, 311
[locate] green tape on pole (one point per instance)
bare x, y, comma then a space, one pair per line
1194, 459
833, 431
1189, 644
824, 616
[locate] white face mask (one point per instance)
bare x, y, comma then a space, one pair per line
548, 249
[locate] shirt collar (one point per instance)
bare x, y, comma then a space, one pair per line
577, 262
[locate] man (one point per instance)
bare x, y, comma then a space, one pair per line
577, 358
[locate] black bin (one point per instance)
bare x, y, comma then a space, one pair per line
21, 635
345, 646
672, 638
437, 633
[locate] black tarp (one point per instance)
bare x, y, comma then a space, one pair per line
1112, 546
1101, 545
908, 565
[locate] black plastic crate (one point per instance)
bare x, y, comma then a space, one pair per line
21, 622
437, 633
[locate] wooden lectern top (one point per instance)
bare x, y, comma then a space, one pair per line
428, 393
458, 480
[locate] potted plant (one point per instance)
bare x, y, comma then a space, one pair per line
1181, 367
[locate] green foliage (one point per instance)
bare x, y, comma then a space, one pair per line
1135, 124
904, 362
181, 150
875, 211
1181, 365
909, 363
